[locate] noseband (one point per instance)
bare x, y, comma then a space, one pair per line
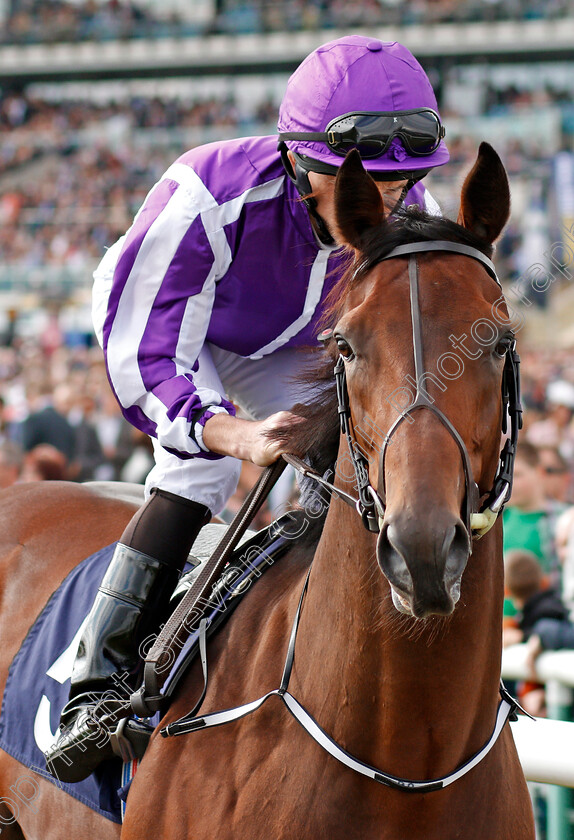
371, 504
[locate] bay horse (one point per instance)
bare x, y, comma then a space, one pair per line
399, 669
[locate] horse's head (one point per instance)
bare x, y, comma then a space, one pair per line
424, 339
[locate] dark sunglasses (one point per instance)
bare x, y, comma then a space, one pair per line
371, 132
555, 470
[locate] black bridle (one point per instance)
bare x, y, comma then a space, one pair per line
370, 503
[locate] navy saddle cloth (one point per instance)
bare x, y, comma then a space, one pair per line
39, 683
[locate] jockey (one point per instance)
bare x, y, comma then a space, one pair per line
206, 299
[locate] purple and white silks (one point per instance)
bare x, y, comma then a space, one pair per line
221, 259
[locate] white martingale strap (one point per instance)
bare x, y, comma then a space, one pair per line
505, 709
189, 723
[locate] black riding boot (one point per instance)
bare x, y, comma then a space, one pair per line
131, 604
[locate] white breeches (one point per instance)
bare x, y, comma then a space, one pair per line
260, 387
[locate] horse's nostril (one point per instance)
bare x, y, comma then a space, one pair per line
392, 562
424, 562
457, 554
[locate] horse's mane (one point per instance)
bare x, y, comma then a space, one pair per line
318, 438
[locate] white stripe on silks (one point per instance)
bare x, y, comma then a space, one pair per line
206, 206
192, 184
216, 217
192, 198
104, 273
198, 428
431, 205
314, 289
263, 192
229, 211
194, 325
195, 321
209, 209
174, 434
138, 296
103, 279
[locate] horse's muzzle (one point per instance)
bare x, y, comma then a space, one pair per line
424, 561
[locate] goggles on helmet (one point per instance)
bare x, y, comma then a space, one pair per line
371, 132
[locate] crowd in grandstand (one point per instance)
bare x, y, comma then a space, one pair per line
32, 21
74, 173
67, 191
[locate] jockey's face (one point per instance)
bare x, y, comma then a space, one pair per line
324, 192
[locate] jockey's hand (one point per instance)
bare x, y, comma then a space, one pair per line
249, 439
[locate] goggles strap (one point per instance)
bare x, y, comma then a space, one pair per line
319, 136
298, 175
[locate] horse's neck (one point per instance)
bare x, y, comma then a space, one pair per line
376, 678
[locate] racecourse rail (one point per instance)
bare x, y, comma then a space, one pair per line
546, 745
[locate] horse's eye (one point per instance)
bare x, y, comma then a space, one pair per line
503, 346
344, 348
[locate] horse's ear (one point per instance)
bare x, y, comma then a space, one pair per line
358, 203
485, 197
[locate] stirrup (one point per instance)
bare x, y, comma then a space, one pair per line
80, 747
86, 742
130, 739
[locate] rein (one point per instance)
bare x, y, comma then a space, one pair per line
371, 507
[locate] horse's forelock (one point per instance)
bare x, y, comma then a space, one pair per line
413, 225
404, 227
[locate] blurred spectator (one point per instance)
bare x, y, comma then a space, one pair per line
556, 429
88, 452
6, 430
249, 475
140, 461
45, 424
33, 21
565, 551
97, 160
542, 620
530, 517
44, 463
11, 463
556, 474
116, 437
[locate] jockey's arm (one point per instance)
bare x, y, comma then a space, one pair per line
248, 440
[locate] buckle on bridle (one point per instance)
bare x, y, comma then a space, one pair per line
481, 523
